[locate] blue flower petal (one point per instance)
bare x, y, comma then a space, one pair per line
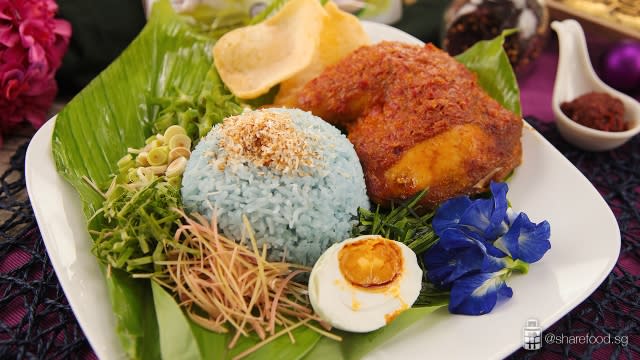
467, 261
488, 216
505, 291
459, 253
456, 238
478, 216
493, 263
445, 266
494, 251
449, 213
438, 263
500, 205
525, 240
511, 217
477, 294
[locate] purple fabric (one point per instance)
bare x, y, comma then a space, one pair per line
536, 86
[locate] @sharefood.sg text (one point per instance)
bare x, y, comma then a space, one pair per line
534, 339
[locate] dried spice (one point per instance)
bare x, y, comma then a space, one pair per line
598, 111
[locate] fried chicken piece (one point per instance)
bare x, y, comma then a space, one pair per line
417, 119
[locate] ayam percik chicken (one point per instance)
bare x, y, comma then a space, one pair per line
418, 120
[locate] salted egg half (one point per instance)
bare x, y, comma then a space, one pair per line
362, 284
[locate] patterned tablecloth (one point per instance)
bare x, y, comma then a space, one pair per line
37, 322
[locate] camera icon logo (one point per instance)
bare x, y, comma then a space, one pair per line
532, 335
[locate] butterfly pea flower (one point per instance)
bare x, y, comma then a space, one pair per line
457, 254
481, 242
486, 217
525, 240
477, 294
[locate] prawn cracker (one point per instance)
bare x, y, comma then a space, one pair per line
252, 59
341, 34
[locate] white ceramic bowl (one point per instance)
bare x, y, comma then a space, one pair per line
575, 77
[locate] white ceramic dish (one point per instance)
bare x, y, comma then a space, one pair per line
585, 246
575, 76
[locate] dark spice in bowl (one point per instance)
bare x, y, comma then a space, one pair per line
598, 111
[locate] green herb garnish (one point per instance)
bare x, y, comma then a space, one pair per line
197, 114
130, 229
430, 295
402, 223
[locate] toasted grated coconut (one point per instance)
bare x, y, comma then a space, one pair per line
266, 138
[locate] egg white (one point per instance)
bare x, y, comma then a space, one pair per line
350, 308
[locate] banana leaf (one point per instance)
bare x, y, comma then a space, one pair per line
136, 322
113, 113
356, 346
490, 63
95, 129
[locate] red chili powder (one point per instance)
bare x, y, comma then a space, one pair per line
596, 110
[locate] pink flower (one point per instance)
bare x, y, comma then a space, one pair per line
32, 44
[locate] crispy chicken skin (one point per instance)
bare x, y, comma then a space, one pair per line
417, 119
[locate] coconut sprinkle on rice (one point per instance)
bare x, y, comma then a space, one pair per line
267, 139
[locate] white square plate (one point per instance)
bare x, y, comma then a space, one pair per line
585, 244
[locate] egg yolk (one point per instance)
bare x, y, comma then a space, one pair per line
370, 263
393, 315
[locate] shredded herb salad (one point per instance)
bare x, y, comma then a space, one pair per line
153, 251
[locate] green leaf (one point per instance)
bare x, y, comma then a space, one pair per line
326, 349
281, 348
211, 345
355, 346
490, 63
95, 128
182, 338
214, 346
176, 337
135, 319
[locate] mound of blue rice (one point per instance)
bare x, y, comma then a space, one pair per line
299, 198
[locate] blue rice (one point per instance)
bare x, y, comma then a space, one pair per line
298, 214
